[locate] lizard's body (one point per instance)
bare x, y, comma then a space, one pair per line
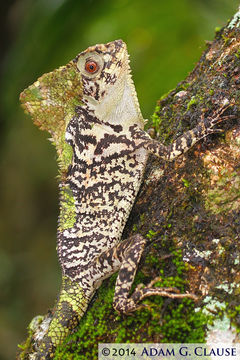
103, 127
104, 178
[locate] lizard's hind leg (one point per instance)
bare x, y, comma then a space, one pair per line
130, 257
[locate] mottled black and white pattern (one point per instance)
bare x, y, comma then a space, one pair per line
110, 150
107, 165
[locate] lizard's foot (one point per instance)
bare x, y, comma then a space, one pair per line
127, 305
210, 122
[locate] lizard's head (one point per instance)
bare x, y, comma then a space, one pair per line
101, 67
108, 89
98, 79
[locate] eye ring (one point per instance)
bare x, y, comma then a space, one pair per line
91, 66
84, 62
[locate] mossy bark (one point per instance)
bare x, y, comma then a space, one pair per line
189, 211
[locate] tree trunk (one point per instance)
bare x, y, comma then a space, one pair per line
189, 210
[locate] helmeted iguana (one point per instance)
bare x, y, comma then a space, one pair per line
91, 110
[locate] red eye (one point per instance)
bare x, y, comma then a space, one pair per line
91, 66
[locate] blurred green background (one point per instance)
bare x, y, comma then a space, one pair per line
165, 40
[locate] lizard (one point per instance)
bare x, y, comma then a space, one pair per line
91, 110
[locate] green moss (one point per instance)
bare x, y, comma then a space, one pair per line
156, 121
164, 96
186, 183
234, 315
183, 324
192, 102
226, 38
184, 86
176, 322
135, 227
151, 234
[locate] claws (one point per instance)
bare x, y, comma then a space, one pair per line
152, 282
140, 286
143, 306
142, 292
218, 118
172, 293
214, 131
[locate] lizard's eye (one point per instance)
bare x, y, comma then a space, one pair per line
91, 66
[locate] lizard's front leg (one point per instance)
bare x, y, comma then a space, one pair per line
184, 142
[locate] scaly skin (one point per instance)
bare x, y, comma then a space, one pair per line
91, 110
